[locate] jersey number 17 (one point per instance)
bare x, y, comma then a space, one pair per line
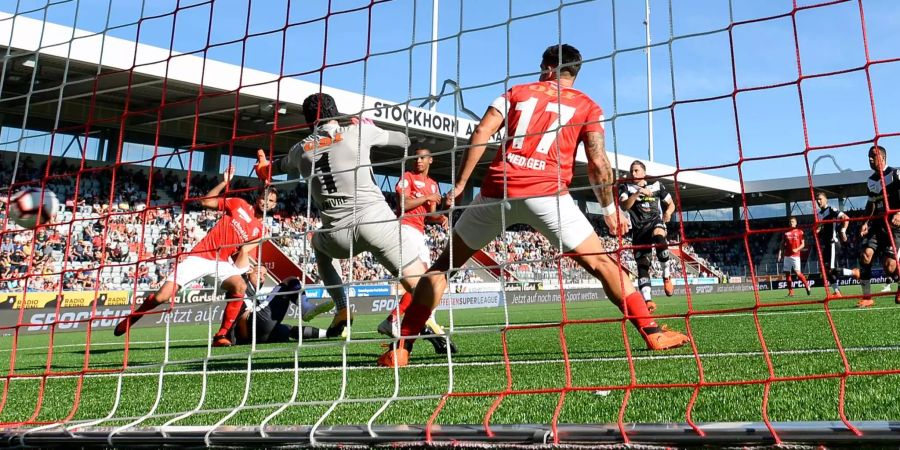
563, 113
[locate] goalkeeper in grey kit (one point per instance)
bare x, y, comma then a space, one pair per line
335, 161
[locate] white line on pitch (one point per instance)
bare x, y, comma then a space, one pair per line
155, 373
469, 327
781, 313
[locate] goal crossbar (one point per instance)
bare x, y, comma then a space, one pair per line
751, 433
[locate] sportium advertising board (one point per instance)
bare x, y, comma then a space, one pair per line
71, 310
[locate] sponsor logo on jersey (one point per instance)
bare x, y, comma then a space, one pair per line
322, 142
239, 230
244, 215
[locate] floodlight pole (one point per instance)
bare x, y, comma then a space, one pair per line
434, 50
649, 82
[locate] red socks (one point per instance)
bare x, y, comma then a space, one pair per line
416, 315
803, 279
636, 307
415, 318
400, 310
790, 283
148, 304
405, 301
232, 309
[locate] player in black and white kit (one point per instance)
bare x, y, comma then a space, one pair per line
644, 201
830, 238
880, 232
261, 317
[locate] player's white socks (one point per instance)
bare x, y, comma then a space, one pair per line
308, 332
666, 273
645, 291
846, 272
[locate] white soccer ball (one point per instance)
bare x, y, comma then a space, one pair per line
31, 207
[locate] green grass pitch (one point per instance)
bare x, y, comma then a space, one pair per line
182, 385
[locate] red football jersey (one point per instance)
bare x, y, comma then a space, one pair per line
544, 126
417, 186
792, 239
237, 227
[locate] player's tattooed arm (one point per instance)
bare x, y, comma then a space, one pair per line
601, 175
600, 171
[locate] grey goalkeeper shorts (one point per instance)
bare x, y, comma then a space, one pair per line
375, 229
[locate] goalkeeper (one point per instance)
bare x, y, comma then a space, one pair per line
336, 162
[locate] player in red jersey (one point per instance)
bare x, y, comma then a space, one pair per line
792, 243
528, 183
418, 197
223, 254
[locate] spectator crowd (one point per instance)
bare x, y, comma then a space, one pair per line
118, 239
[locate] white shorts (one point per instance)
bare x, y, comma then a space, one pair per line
791, 263
418, 240
481, 221
194, 267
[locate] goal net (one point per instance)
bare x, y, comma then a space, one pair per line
130, 112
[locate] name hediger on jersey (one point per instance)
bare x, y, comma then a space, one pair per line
528, 163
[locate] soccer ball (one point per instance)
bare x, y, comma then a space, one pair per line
26, 209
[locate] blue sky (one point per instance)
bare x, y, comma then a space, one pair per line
487, 45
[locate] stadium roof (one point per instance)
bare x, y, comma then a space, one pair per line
79, 74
